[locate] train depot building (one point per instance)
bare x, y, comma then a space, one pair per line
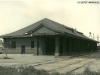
47, 37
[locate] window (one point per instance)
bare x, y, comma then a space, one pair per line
12, 44
32, 44
8, 44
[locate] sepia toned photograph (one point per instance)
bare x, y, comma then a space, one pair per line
49, 37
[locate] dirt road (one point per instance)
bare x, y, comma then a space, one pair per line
51, 64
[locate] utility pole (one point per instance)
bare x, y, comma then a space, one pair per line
93, 36
98, 39
90, 35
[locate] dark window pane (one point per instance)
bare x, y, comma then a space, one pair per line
13, 44
32, 44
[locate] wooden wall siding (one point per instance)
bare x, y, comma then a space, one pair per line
12, 51
27, 43
20, 42
42, 30
18, 51
63, 46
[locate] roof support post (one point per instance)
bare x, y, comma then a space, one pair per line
82, 46
35, 46
70, 50
57, 45
78, 46
89, 46
64, 46
73, 46
67, 45
76, 49
42, 46
85, 46
95, 46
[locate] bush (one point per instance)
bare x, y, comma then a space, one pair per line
8, 71
32, 71
22, 71
87, 71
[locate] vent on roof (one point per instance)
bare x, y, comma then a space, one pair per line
73, 30
80, 33
26, 33
67, 27
31, 34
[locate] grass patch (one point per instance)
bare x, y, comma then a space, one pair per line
32, 71
6, 58
22, 71
87, 71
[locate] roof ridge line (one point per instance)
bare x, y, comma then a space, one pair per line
32, 30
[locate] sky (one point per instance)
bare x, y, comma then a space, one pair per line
15, 15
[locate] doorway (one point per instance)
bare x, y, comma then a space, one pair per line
50, 46
23, 49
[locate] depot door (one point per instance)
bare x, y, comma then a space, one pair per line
23, 49
50, 46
